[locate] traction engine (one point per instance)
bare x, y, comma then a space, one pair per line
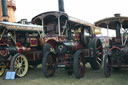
117, 54
69, 43
20, 46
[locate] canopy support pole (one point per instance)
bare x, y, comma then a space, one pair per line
107, 38
43, 28
59, 25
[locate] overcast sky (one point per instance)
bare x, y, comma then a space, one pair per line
87, 10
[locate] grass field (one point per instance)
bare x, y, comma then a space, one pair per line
36, 77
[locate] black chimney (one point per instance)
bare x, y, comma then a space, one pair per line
118, 27
61, 5
4, 10
117, 15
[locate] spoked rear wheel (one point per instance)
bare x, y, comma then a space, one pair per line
107, 66
79, 64
49, 64
96, 60
19, 64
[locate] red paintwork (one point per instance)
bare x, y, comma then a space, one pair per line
76, 46
22, 48
52, 42
3, 42
77, 36
33, 42
114, 48
53, 39
19, 46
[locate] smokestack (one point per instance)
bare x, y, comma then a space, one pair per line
117, 15
61, 5
4, 10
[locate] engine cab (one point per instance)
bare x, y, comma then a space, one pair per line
59, 28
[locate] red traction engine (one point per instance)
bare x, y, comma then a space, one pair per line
69, 44
20, 46
117, 55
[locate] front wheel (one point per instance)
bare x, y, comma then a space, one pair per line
107, 66
79, 64
49, 64
19, 64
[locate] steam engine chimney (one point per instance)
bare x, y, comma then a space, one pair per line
4, 10
117, 15
61, 5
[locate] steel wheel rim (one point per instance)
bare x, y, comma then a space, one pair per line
21, 65
108, 66
50, 64
81, 65
99, 52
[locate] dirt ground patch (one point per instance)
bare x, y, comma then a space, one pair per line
36, 77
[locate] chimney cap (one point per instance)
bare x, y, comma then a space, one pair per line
117, 15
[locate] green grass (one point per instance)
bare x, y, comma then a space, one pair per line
36, 77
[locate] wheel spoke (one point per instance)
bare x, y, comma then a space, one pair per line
15, 67
22, 70
17, 61
98, 63
99, 59
99, 53
18, 71
22, 60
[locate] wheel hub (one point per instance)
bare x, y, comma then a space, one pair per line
19, 65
